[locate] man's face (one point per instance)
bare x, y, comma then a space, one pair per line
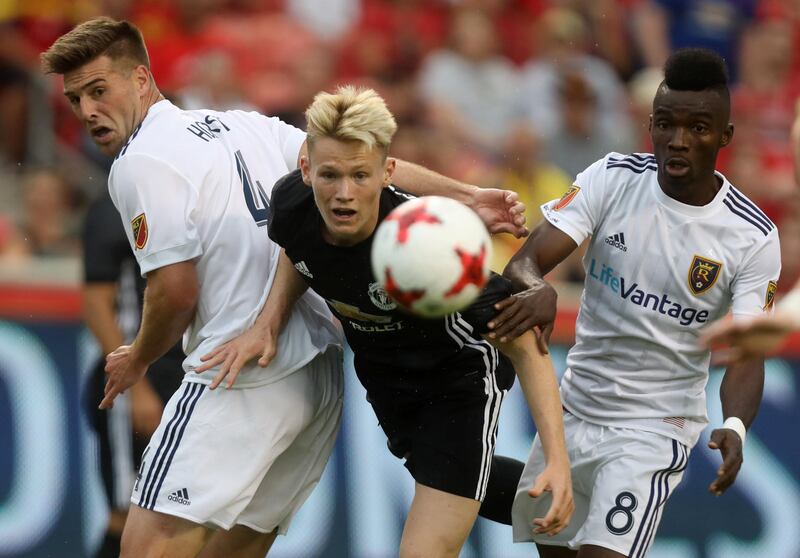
107, 100
347, 179
688, 128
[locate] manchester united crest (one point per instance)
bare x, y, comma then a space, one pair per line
140, 231
769, 297
379, 297
568, 196
703, 273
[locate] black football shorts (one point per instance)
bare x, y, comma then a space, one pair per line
446, 431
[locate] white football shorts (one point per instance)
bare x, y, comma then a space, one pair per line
621, 479
244, 456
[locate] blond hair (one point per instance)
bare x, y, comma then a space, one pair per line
351, 113
119, 40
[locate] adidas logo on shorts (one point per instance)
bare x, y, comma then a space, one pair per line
617, 241
303, 268
180, 496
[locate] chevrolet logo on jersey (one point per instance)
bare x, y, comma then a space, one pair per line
140, 231
661, 303
769, 298
355, 313
703, 273
568, 196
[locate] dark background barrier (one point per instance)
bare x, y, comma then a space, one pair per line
51, 505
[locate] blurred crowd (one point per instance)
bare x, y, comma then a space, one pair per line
518, 94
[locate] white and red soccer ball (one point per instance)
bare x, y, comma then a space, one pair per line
431, 255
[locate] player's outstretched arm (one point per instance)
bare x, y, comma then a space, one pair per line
534, 304
500, 210
538, 381
739, 340
169, 306
740, 393
261, 340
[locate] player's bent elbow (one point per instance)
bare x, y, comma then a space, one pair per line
184, 302
181, 296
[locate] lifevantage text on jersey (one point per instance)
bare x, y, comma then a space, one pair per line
662, 304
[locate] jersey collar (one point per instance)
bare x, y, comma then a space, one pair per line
157, 108
694, 210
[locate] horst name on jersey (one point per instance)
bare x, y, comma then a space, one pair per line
661, 303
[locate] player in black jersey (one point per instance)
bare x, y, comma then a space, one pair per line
113, 294
436, 386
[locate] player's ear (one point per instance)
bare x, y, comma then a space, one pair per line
727, 135
143, 78
650, 124
305, 169
388, 171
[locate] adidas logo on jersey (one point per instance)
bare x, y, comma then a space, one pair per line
617, 241
303, 268
180, 496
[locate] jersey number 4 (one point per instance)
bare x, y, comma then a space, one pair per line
254, 195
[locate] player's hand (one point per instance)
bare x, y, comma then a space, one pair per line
500, 210
233, 355
146, 408
557, 480
740, 340
526, 310
729, 443
122, 371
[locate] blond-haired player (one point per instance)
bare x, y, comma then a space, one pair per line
436, 385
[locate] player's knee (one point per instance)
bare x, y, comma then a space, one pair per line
149, 548
132, 547
426, 552
148, 534
142, 547
431, 547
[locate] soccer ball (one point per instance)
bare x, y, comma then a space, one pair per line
431, 255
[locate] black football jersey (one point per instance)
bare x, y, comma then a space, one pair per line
382, 336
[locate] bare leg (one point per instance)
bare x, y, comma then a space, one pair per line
239, 542
151, 534
437, 525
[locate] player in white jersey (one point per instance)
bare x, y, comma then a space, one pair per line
193, 190
672, 247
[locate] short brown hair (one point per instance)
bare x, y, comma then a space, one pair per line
119, 40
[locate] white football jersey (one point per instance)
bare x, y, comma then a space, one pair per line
657, 272
195, 185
